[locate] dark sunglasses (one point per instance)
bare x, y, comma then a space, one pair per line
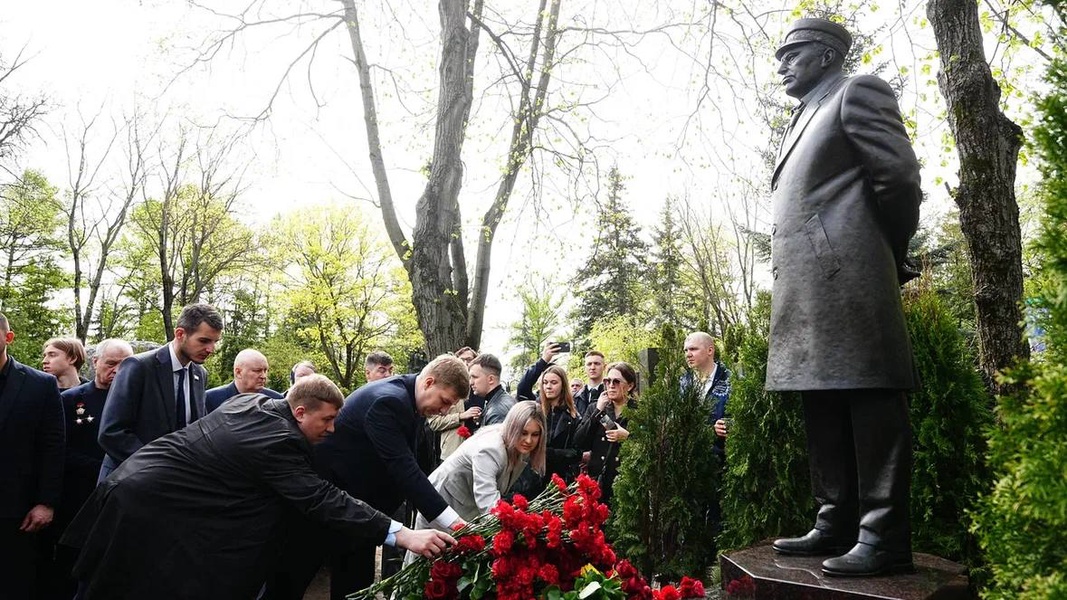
610, 381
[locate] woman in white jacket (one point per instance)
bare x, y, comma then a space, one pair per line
473, 478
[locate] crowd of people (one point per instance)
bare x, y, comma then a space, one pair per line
142, 483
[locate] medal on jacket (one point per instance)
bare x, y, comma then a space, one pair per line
79, 412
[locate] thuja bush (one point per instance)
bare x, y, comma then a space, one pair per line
1022, 523
950, 413
766, 490
668, 479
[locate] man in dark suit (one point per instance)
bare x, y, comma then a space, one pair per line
159, 391
193, 515
82, 407
371, 455
845, 204
713, 379
31, 465
250, 371
594, 372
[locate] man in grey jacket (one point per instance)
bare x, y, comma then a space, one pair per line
485, 382
845, 204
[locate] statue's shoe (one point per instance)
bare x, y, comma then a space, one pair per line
815, 543
864, 560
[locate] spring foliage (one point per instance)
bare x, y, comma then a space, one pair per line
1021, 524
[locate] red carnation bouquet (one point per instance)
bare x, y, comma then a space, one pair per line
552, 547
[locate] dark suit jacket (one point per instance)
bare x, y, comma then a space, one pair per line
141, 406
31, 442
845, 203
214, 397
195, 514
82, 407
371, 453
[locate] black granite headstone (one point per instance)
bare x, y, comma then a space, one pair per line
759, 573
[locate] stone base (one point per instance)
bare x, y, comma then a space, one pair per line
761, 573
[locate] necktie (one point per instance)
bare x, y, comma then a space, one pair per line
797, 110
179, 399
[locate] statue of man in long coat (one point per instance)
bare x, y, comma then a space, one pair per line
846, 202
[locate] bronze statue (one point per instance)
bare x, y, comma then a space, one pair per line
846, 202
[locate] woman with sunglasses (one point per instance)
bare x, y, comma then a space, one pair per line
603, 427
557, 401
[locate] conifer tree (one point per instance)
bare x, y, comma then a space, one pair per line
766, 490
610, 283
1022, 524
668, 480
670, 293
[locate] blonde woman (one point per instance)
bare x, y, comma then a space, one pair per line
474, 477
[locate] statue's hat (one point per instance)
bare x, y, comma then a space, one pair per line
816, 30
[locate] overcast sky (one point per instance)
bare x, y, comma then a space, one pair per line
651, 113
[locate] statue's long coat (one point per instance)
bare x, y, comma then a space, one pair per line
846, 201
195, 514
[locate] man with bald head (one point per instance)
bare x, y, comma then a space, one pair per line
250, 370
712, 377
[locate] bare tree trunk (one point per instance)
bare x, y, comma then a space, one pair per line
440, 303
988, 144
172, 186
530, 106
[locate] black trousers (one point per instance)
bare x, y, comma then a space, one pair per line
18, 551
307, 547
860, 453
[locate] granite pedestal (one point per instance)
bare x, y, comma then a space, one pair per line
760, 573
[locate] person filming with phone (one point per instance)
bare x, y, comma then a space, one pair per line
603, 426
563, 457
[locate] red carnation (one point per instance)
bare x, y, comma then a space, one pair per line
520, 502
626, 569
691, 588
667, 593
463, 432
559, 483
436, 589
445, 571
503, 542
469, 544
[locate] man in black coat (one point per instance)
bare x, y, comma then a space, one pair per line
372, 457
31, 465
846, 202
195, 514
159, 391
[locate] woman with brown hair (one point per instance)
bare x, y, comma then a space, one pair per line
603, 427
557, 401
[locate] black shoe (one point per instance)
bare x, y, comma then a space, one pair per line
864, 560
816, 543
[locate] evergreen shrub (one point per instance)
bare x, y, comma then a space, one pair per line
766, 489
668, 479
950, 413
1021, 524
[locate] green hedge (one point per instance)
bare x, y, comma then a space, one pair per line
668, 479
766, 489
950, 414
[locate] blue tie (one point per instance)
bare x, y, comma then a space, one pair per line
179, 399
